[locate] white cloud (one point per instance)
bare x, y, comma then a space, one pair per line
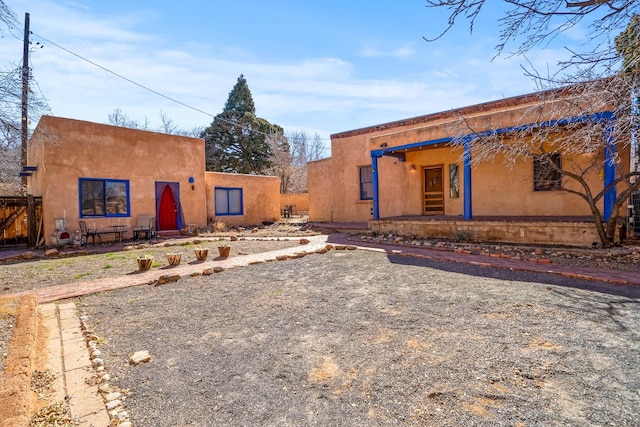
402, 52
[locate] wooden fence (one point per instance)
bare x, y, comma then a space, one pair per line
20, 221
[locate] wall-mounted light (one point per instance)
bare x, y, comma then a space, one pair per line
192, 181
413, 168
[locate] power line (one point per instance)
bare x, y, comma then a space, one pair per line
148, 88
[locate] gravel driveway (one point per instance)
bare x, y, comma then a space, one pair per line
359, 338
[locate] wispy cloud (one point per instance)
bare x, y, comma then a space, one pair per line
401, 52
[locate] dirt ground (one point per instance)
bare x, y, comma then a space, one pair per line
360, 338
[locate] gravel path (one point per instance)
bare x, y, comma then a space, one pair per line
361, 338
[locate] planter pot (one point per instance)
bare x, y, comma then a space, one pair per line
174, 259
224, 251
144, 264
201, 254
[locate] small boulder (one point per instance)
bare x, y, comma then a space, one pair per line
52, 252
138, 357
167, 278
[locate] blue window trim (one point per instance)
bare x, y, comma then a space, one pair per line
106, 215
228, 191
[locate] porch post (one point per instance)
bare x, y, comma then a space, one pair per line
374, 184
609, 170
466, 190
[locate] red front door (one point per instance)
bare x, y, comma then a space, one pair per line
167, 211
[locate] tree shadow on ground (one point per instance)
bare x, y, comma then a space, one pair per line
628, 291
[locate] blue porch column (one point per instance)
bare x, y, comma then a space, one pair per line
374, 184
466, 189
609, 170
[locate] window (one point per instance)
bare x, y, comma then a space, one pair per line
104, 197
454, 182
366, 183
228, 201
545, 176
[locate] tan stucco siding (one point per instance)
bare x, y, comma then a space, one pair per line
67, 150
260, 197
497, 189
299, 201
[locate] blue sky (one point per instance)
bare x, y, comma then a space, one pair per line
322, 66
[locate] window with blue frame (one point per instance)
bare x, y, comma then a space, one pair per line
103, 197
366, 183
228, 201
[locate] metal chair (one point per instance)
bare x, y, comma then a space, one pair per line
85, 233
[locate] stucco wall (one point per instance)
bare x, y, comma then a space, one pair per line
65, 150
260, 197
300, 202
497, 189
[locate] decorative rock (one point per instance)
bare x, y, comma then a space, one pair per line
125, 424
329, 247
218, 269
106, 377
95, 353
112, 396
255, 262
207, 271
282, 257
322, 251
233, 238
351, 247
28, 255
51, 252
139, 357
104, 388
164, 279
113, 404
97, 362
341, 247
305, 241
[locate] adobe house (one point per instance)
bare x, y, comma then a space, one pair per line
107, 176
408, 178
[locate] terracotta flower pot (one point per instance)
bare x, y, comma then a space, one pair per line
201, 254
224, 251
144, 263
174, 259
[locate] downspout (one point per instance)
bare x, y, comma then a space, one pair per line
466, 191
609, 170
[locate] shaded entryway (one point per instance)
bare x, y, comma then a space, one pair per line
168, 210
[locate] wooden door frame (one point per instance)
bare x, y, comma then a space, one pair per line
424, 189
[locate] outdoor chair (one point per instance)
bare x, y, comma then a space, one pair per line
146, 226
85, 233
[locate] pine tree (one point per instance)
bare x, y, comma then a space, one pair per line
236, 141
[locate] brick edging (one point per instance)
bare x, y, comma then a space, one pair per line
16, 382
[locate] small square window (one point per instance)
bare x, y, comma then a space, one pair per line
228, 201
546, 176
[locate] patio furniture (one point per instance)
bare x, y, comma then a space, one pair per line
146, 226
86, 232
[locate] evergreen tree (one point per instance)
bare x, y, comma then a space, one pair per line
236, 141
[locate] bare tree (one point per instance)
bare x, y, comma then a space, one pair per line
304, 149
11, 115
573, 134
589, 83
119, 118
534, 23
281, 165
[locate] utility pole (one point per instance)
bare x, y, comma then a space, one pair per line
25, 97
